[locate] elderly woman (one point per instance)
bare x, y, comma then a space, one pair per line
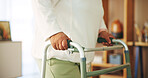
60, 20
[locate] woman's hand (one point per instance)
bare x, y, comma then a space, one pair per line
59, 41
107, 37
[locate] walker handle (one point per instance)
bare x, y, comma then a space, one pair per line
100, 40
68, 43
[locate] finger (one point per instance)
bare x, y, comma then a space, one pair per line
106, 44
57, 46
108, 40
68, 38
111, 36
110, 44
61, 46
54, 46
64, 44
102, 42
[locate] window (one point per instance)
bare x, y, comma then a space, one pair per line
20, 15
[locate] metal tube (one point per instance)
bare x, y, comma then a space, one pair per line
83, 68
79, 48
104, 48
44, 62
107, 70
83, 59
121, 42
126, 51
98, 49
128, 61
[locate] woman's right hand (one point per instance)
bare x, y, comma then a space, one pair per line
59, 41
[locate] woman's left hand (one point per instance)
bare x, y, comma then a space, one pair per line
106, 36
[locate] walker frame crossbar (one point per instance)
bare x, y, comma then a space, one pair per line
84, 74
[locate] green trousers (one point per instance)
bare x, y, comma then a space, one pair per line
60, 69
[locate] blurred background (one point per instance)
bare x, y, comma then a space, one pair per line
19, 13
126, 20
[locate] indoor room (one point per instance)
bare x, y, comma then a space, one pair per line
73, 38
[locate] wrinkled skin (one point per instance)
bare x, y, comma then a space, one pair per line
107, 37
59, 40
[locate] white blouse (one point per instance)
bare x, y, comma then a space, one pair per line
80, 20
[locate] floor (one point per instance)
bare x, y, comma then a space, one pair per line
30, 70
31, 76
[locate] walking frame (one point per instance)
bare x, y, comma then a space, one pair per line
75, 47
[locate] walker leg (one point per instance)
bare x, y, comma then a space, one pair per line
128, 61
141, 61
83, 68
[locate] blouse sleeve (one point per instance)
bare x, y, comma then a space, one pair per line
47, 18
102, 26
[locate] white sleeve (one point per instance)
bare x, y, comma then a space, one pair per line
102, 25
44, 10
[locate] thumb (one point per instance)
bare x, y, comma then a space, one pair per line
108, 40
68, 38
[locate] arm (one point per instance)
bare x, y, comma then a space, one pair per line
103, 32
50, 27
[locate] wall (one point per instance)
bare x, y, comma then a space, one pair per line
141, 12
141, 15
116, 11
20, 15
3, 9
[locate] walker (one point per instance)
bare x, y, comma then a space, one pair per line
75, 47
